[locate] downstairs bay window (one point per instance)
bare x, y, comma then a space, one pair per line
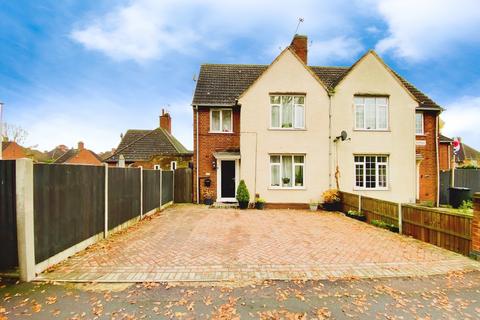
371, 172
286, 171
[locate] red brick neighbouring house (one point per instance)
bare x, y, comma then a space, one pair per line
223, 98
151, 149
12, 150
81, 155
445, 153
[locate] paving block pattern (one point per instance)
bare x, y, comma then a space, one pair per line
194, 243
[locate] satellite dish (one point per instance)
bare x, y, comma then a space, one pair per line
343, 135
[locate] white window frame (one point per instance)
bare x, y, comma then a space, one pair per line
172, 164
157, 167
221, 110
423, 124
295, 106
281, 155
363, 126
377, 165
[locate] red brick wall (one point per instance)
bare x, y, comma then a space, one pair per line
13, 151
445, 154
208, 144
476, 227
428, 166
84, 157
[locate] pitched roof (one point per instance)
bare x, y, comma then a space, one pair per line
445, 139
72, 153
142, 145
222, 84
468, 153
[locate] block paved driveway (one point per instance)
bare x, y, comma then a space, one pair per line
194, 243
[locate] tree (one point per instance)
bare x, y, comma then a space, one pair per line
14, 133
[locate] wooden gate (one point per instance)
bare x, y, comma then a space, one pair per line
183, 185
8, 216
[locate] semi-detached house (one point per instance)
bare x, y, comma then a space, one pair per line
278, 127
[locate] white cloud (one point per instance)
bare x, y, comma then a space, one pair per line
424, 29
147, 29
461, 120
335, 49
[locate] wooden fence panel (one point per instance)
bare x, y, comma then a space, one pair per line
350, 201
151, 190
123, 195
467, 178
69, 205
183, 185
376, 209
8, 216
167, 186
441, 228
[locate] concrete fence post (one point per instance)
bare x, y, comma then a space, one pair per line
105, 228
400, 218
25, 223
360, 203
141, 192
475, 253
173, 184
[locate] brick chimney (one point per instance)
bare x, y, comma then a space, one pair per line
81, 145
166, 121
300, 47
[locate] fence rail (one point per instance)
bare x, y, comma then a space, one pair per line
440, 227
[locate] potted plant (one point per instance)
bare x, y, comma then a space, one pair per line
243, 197
298, 180
356, 215
207, 198
259, 203
285, 181
331, 200
313, 205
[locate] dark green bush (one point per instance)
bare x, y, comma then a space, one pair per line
242, 192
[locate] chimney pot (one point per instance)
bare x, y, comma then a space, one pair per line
299, 45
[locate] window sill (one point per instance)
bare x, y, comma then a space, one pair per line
372, 130
370, 189
221, 132
286, 188
287, 129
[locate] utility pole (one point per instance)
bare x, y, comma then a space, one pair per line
1, 129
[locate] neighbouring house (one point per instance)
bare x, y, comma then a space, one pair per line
467, 156
445, 153
56, 153
12, 150
151, 149
81, 155
279, 127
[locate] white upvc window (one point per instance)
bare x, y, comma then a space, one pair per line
173, 165
371, 172
419, 124
371, 113
287, 171
287, 112
157, 167
221, 120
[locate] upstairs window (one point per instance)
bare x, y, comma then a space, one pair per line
287, 112
419, 123
371, 113
221, 120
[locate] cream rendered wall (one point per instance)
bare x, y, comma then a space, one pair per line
286, 75
371, 76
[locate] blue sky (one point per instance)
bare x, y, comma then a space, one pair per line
89, 70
